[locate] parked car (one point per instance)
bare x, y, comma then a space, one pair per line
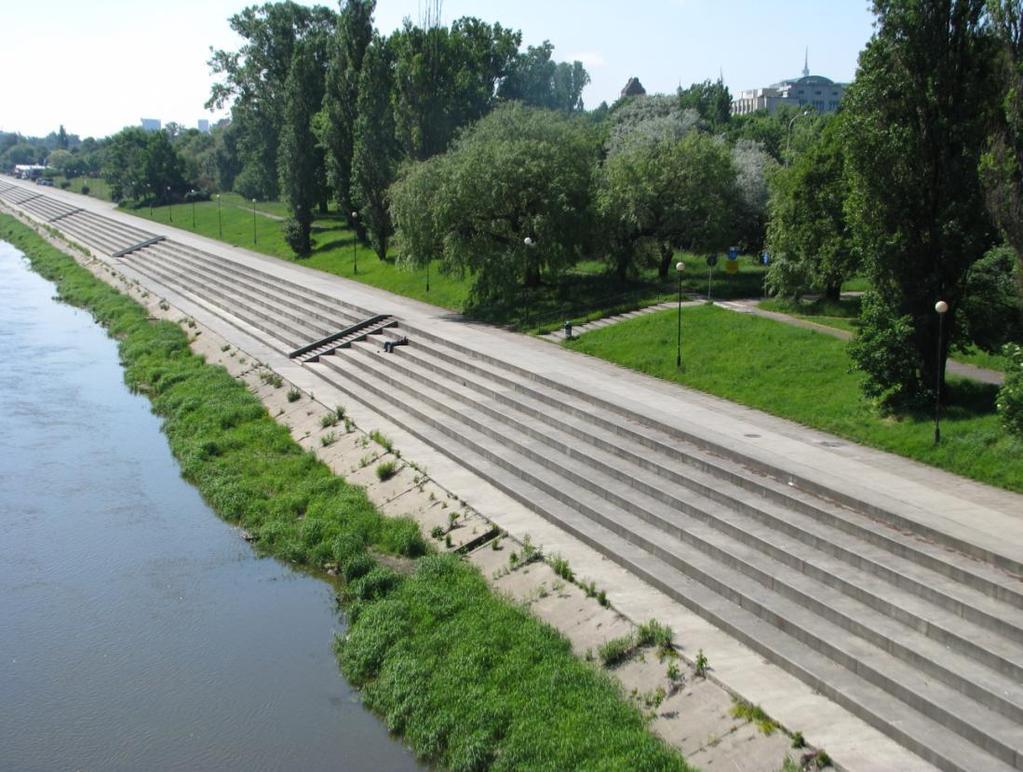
44, 182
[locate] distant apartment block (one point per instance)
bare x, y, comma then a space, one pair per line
204, 126
151, 124
816, 91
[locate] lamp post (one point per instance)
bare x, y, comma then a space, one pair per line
788, 137
530, 244
680, 267
220, 220
355, 245
171, 202
254, 221
191, 197
428, 274
941, 307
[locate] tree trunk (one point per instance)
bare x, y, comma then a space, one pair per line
833, 292
665, 263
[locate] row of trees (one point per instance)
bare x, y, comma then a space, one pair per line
323, 107
908, 185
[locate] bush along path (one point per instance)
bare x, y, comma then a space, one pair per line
468, 679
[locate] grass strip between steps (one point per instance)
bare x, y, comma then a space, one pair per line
469, 680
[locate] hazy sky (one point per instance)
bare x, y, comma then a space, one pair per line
96, 67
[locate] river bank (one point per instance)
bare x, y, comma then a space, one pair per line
468, 679
128, 609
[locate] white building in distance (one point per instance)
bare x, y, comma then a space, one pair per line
151, 124
204, 126
816, 91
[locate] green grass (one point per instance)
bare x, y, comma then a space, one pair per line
844, 316
468, 679
808, 378
585, 293
98, 187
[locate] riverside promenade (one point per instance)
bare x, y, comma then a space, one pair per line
871, 602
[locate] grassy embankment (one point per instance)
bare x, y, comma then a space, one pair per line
844, 315
807, 377
587, 292
468, 679
98, 187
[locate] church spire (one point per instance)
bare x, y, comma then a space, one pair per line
806, 62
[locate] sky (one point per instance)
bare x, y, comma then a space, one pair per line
97, 67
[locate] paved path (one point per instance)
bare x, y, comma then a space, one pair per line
924, 499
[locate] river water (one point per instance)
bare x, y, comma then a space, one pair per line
137, 630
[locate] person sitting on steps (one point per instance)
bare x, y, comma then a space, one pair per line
390, 344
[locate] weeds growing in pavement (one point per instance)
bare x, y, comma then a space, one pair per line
616, 650
294, 395
386, 470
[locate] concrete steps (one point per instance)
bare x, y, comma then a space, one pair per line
534, 479
918, 633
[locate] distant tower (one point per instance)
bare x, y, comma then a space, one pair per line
633, 88
806, 63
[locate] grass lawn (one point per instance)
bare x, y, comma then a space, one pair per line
587, 292
98, 187
844, 315
765, 364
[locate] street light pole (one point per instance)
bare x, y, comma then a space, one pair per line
428, 274
679, 268
355, 245
171, 202
254, 221
191, 196
530, 244
942, 308
220, 220
788, 138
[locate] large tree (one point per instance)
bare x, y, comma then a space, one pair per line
713, 101
446, 79
916, 121
519, 173
254, 77
299, 162
666, 194
808, 234
336, 124
1002, 165
376, 152
536, 79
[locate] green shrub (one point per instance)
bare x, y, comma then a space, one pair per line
562, 568
386, 470
85, 190
616, 650
401, 536
1010, 396
294, 395
653, 633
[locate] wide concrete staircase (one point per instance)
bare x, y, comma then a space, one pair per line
920, 635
